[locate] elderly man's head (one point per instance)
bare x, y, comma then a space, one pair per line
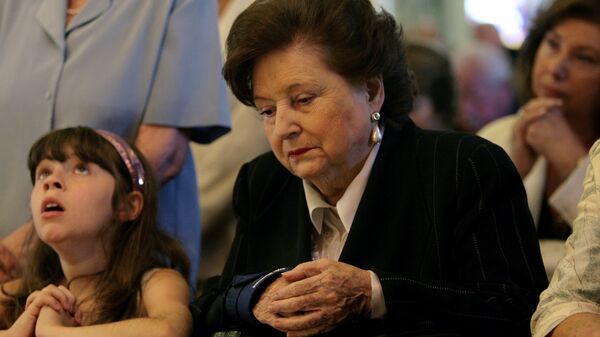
484, 83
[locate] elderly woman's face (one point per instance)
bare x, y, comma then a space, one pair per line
567, 66
317, 123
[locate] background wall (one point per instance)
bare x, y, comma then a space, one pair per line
418, 17
453, 25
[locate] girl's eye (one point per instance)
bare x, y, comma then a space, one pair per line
82, 169
42, 174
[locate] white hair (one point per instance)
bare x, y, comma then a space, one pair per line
491, 60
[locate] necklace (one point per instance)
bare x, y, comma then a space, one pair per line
73, 11
74, 7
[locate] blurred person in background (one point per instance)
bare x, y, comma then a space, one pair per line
559, 83
435, 103
484, 86
488, 33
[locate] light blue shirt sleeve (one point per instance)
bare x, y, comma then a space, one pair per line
181, 95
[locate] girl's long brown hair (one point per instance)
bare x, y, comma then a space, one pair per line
132, 248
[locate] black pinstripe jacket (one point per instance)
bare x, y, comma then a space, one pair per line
443, 222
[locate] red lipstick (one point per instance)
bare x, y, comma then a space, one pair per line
299, 152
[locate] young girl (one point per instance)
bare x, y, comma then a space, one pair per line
100, 265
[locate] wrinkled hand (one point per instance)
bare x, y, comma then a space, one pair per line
261, 308
522, 153
552, 137
321, 295
165, 148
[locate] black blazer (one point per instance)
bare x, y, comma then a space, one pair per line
443, 222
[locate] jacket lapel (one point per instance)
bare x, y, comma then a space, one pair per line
51, 17
283, 227
389, 220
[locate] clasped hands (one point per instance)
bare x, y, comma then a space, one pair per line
315, 297
542, 130
44, 310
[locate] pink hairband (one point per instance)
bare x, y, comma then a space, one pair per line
133, 163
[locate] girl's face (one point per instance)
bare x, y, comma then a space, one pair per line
567, 66
71, 200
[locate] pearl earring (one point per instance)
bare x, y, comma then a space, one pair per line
376, 132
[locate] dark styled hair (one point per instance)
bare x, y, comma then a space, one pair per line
358, 43
132, 247
434, 78
545, 20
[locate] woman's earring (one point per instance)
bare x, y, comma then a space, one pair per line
376, 132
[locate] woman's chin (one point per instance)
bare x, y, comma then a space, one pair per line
308, 171
306, 175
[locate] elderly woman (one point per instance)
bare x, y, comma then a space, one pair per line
358, 222
548, 140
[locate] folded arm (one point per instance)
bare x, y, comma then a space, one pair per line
165, 297
570, 304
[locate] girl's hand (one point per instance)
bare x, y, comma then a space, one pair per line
51, 297
24, 326
58, 298
50, 319
522, 153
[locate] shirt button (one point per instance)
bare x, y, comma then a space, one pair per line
48, 95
